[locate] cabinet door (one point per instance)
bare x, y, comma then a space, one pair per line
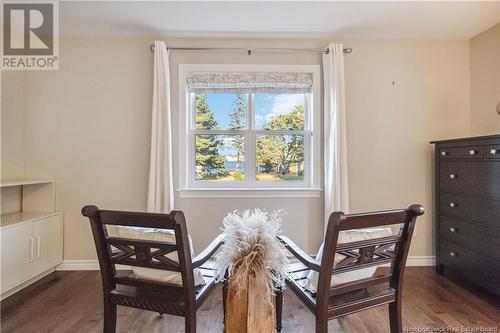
17, 255
47, 234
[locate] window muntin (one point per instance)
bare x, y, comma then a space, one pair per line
297, 174
272, 125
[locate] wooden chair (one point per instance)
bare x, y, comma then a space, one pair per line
363, 294
128, 290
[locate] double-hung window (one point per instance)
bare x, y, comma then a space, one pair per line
248, 127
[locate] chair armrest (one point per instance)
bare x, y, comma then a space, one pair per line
201, 258
303, 257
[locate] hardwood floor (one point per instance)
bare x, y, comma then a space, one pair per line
72, 303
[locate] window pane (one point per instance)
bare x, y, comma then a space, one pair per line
220, 111
280, 157
220, 157
279, 111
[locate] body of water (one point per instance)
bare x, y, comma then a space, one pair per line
231, 165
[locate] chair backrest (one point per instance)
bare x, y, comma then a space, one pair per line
391, 250
136, 252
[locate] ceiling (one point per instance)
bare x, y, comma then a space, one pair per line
403, 19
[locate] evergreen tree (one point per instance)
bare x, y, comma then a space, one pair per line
274, 152
269, 152
207, 146
237, 121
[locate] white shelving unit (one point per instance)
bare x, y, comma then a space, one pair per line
23, 182
31, 233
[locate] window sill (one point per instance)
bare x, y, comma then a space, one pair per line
249, 192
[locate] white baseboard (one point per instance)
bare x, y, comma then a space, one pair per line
84, 265
93, 265
78, 265
421, 261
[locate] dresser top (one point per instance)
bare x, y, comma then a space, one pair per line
473, 138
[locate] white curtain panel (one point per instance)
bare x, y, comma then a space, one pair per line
335, 150
161, 187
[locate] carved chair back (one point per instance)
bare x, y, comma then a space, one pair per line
391, 250
113, 250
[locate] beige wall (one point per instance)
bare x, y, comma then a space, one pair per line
87, 126
12, 124
12, 138
389, 127
485, 82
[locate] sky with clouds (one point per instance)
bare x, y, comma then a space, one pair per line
266, 106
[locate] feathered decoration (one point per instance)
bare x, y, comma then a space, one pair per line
250, 247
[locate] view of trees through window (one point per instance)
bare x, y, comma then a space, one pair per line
224, 122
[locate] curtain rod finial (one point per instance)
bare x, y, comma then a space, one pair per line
347, 50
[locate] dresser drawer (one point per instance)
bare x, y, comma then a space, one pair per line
470, 264
493, 151
472, 152
473, 177
483, 211
482, 239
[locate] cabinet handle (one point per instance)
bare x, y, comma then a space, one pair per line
452, 229
472, 152
453, 176
444, 153
37, 247
453, 205
453, 254
494, 151
31, 249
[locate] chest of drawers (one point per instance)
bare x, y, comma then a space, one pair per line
467, 209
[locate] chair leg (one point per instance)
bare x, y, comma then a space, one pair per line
279, 309
224, 299
321, 325
190, 322
109, 317
395, 316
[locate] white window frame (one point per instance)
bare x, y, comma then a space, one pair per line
190, 187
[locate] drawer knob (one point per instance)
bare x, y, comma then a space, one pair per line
453, 254
453, 176
472, 152
453, 229
453, 205
494, 151
444, 153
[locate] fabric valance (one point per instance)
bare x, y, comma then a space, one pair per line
250, 82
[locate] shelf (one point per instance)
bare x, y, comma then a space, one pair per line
22, 217
22, 182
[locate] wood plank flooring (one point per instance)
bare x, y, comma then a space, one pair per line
72, 303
